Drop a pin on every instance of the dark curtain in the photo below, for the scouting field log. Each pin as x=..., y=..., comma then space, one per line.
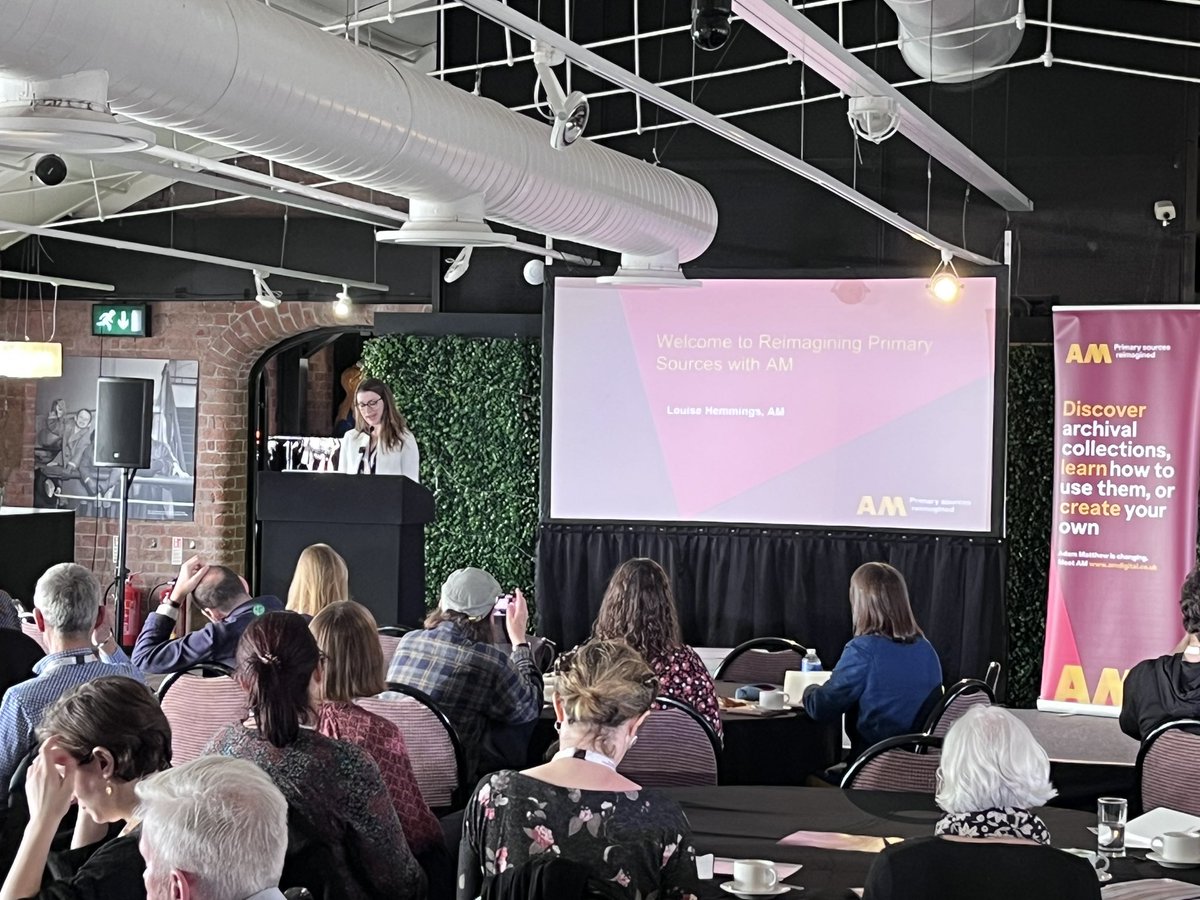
x=735, y=584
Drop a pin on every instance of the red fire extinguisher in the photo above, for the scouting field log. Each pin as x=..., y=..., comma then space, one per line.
x=132, y=603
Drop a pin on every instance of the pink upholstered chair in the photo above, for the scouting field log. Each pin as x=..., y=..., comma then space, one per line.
x=761, y=660
x=964, y=695
x=199, y=702
x=908, y=763
x=1166, y=767
x=675, y=748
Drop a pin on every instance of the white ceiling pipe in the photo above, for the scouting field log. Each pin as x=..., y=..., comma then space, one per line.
x=952, y=58
x=252, y=78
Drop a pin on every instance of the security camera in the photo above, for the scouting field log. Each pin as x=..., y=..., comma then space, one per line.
x=1164, y=211
x=50, y=170
x=710, y=23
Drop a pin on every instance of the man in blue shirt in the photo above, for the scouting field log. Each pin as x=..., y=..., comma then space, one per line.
x=225, y=601
x=80, y=647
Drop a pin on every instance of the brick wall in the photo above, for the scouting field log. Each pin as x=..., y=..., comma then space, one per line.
x=227, y=338
x=320, y=393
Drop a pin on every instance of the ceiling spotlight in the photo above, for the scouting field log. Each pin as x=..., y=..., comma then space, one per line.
x=263, y=294
x=710, y=23
x=570, y=111
x=458, y=265
x=342, y=305
x=873, y=119
x=944, y=283
x=50, y=170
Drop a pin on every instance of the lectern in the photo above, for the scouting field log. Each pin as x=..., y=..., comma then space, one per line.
x=376, y=522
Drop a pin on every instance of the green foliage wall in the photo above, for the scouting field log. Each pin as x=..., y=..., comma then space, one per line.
x=474, y=406
x=1030, y=495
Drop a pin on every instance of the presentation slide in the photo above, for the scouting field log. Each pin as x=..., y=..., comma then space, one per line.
x=862, y=404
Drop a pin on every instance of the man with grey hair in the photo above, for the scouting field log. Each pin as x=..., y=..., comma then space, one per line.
x=212, y=829
x=80, y=646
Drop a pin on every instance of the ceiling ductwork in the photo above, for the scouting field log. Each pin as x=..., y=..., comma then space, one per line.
x=243, y=75
x=977, y=44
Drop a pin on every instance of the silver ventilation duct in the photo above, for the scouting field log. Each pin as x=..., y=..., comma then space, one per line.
x=980, y=43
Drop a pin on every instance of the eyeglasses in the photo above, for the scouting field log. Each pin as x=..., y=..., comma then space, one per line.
x=369, y=404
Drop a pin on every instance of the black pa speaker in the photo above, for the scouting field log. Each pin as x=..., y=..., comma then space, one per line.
x=124, y=415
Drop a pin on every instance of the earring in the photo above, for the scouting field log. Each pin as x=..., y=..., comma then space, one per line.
x=633, y=740
x=558, y=727
x=108, y=790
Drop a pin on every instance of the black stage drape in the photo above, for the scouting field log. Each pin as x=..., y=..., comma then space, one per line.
x=733, y=584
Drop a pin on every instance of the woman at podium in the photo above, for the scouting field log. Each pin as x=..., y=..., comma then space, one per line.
x=380, y=443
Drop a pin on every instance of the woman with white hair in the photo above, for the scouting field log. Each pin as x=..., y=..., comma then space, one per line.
x=990, y=843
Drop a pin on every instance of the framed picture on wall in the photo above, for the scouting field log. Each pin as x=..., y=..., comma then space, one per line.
x=65, y=476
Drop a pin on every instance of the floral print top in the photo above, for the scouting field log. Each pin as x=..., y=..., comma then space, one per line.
x=683, y=677
x=637, y=844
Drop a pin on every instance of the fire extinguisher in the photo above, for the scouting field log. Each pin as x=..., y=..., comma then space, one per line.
x=132, y=603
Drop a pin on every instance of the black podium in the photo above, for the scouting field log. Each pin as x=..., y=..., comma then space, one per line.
x=376, y=522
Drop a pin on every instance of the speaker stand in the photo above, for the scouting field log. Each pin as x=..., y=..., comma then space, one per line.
x=122, y=573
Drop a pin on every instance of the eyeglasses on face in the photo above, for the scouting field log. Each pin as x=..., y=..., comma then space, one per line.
x=369, y=404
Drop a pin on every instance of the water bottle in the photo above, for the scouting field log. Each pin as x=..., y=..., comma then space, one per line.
x=812, y=662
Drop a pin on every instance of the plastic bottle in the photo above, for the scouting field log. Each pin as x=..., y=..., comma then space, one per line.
x=812, y=662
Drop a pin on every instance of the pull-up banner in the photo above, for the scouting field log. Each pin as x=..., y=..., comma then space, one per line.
x=1126, y=458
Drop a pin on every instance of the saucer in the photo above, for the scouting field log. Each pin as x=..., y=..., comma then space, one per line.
x=731, y=887
x=1154, y=857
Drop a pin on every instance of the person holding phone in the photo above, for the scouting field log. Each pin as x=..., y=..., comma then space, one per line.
x=380, y=443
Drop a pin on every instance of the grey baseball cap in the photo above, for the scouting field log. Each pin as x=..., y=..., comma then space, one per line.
x=470, y=591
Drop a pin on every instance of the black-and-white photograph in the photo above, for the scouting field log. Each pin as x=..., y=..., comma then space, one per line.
x=65, y=474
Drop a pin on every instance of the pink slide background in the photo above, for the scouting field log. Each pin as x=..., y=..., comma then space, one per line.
x=909, y=423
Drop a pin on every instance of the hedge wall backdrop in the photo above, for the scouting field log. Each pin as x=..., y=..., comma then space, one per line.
x=473, y=404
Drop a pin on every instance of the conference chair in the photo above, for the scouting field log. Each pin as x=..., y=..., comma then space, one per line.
x=992, y=678
x=764, y=659
x=389, y=638
x=967, y=693
x=434, y=747
x=1165, y=773
x=908, y=762
x=676, y=747
x=199, y=702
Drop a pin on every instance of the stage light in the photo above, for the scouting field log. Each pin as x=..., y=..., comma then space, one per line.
x=569, y=111
x=342, y=305
x=266, y=297
x=944, y=284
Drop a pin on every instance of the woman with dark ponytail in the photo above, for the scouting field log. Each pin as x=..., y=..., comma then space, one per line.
x=334, y=787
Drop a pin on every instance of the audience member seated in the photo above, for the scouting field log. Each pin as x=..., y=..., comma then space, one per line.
x=320, y=578
x=213, y=829
x=10, y=617
x=334, y=786
x=886, y=672
x=352, y=667
x=636, y=843
x=80, y=647
x=225, y=601
x=989, y=844
x=492, y=699
x=99, y=740
x=1161, y=690
x=639, y=608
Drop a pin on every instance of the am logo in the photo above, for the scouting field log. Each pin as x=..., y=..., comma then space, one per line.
x=886, y=506
x=1095, y=353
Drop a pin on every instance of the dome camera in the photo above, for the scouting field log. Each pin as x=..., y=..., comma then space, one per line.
x=50, y=170
x=710, y=23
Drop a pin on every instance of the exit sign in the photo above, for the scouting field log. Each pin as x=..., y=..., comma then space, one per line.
x=121, y=319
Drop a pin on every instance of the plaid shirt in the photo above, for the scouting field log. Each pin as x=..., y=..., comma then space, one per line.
x=475, y=685
x=25, y=703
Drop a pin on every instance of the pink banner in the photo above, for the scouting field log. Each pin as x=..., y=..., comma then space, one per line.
x=1127, y=454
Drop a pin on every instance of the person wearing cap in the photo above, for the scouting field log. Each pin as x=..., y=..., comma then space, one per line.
x=488, y=696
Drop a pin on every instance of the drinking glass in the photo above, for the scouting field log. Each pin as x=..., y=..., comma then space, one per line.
x=1110, y=822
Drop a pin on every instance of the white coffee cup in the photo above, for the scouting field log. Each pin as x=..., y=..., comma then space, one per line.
x=753, y=875
x=1177, y=846
x=773, y=699
x=795, y=683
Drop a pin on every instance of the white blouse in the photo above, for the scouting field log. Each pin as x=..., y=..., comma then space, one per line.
x=403, y=460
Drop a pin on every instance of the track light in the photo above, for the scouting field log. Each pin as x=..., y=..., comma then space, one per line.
x=710, y=23
x=263, y=294
x=458, y=265
x=570, y=111
x=342, y=305
x=944, y=283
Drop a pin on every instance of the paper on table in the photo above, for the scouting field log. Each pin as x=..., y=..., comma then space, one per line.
x=1151, y=889
x=724, y=866
x=1139, y=831
x=828, y=840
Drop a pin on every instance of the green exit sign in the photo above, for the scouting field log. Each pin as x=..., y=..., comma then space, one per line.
x=121, y=319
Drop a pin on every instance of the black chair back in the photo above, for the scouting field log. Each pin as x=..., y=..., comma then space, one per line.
x=908, y=762
x=763, y=659
x=961, y=696
x=1165, y=772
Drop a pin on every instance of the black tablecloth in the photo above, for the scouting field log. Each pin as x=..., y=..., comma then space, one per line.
x=747, y=822
x=782, y=749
